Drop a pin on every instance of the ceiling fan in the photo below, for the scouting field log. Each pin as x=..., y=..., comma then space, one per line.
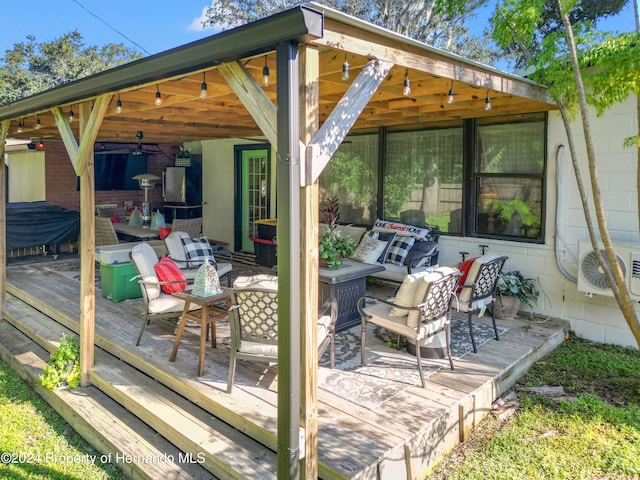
x=139, y=150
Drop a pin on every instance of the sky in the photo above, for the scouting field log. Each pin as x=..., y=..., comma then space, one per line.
x=149, y=26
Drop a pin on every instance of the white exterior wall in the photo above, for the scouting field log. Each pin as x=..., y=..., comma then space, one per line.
x=597, y=318
x=218, y=183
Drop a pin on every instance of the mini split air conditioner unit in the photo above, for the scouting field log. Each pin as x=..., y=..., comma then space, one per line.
x=591, y=278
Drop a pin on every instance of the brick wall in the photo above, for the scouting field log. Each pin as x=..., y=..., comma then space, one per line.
x=61, y=180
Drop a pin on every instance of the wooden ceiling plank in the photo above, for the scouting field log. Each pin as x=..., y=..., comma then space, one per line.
x=330, y=135
x=411, y=56
x=259, y=106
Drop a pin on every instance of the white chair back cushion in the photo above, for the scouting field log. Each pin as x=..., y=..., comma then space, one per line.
x=465, y=294
x=407, y=293
x=421, y=291
x=145, y=258
x=173, y=241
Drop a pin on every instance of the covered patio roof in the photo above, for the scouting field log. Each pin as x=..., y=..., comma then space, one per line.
x=179, y=73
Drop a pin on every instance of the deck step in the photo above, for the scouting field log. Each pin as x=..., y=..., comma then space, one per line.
x=104, y=423
x=218, y=447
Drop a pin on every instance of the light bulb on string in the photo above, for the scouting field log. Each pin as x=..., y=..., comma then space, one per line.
x=158, y=96
x=38, y=124
x=487, y=102
x=450, y=100
x=203, y=87
x=406, y=91
x=119, y=105
x=266, y=81
x=345, y=69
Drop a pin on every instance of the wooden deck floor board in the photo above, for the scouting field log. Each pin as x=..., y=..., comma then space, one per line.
x=354, y=441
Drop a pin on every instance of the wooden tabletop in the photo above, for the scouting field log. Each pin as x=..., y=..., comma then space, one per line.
x=138, y=232
x=200, y=300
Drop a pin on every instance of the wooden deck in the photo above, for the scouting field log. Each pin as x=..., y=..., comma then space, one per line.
x=140, y=404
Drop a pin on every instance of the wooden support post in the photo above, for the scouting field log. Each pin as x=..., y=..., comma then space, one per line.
x=87, y=257
x=309, y=118
x=4, y=131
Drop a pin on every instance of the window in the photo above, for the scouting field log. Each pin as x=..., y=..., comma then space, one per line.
x=352, y=176
x=475, y=177
x=423, y=176
x=509, y=177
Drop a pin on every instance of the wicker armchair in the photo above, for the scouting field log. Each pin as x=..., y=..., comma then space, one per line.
x=193, y=226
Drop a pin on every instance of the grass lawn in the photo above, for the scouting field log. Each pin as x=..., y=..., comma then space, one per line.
x=36, y=443
x=588, y=430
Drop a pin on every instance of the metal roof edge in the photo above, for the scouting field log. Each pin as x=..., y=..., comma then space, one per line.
x=297, y=24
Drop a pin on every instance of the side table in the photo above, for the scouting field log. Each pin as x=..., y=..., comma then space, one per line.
x=208, y=314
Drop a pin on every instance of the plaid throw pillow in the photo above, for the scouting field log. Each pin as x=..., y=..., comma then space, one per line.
x=400, y=249
x=197, y=251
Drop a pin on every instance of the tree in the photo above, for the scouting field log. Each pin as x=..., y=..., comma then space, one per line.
x=32, y=67
x=593, y=59
x=441, y=23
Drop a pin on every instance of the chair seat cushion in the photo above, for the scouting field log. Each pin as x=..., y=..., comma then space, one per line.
x=222, y=269
x=257, y=348
x=167, y=271
x=264, y=281
x=166, y=304
x=380, y=316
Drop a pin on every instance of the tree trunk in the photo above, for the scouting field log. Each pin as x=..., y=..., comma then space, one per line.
x=614, y=276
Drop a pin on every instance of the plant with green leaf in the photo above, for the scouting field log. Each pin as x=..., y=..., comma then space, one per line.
x=514, y=284
x=571, y=59
x=63, y=369
x=333, y=246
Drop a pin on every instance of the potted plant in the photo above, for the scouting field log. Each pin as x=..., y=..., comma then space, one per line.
x=512, y=290
x=183, y=158
x=333, y=246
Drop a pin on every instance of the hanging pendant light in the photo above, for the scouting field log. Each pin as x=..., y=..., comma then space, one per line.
x=406, y=91
x=450, y=100
x=203, y=87
x=487, y=102
x=345, y=69
x=38, y=124
x=158, y=96
x=265, y=74
x=20, y=126
x=119, y=105
x=71, y=115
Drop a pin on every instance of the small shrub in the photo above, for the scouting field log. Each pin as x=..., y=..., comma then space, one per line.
x=63, y=369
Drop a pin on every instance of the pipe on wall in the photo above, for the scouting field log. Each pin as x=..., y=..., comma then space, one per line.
x=559, y=208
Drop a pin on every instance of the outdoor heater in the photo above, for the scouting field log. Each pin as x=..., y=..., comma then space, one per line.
x=147, y=181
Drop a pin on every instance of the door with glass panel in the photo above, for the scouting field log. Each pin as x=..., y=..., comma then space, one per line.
x=253, y=192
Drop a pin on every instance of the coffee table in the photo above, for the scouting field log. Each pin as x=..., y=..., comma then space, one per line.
x=208, y=314
x=346, y=284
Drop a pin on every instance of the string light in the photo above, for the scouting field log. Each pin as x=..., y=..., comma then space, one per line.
x=345, y=69
x=406, y=91
x=119, y=105
x=20, y=125
x=265, y=74
x=450, y=100
x=158, y=96
x=38, y=124
x=487, y=102
x=71, y=115
x=203, y=87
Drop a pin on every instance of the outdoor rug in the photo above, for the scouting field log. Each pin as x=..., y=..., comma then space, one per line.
x=388, y=371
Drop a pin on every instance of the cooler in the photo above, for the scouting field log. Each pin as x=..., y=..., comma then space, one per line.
x=116, y=283
x=265, y=244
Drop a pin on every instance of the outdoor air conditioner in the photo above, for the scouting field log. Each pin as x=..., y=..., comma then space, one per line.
x=591, y=278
